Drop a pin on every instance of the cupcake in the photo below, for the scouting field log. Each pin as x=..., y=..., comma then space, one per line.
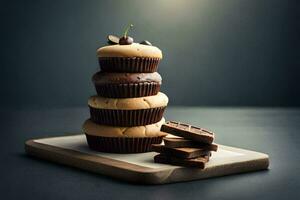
x=126, y=56
x=126, y=85
x=119, y=139
x=127, y=111
x=132, y=58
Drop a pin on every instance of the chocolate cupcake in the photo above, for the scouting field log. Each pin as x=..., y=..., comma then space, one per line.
x=127, y=111
x=126, y=85
x=133, y=58
x=118, y=139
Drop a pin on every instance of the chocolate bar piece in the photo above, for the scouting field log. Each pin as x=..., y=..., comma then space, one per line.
x=180, y=152
x=188, y=131
x=181, y=142
x=195, y=162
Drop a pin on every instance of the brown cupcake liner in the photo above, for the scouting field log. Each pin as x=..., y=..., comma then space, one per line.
x=125, y=64
x=130, y=90
x=126, y=117
x=122, y=144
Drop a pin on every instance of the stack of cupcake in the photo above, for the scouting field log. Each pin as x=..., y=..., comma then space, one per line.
x=127, y=113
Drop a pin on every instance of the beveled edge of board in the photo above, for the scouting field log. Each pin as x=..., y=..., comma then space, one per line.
x=97, y=164
x=140, y=174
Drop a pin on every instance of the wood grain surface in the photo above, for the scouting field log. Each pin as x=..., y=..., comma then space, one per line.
x=140, y=168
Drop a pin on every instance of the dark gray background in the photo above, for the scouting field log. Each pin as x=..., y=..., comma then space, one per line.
x=232, y=52
x=226, y=52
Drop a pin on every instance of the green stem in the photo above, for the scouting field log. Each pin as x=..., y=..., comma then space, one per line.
x=127, y=29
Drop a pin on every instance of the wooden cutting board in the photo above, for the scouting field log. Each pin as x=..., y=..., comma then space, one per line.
x=73, y=151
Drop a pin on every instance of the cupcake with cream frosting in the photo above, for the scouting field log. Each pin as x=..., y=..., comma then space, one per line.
x=128, y=111
x=123, y=55
x=119, y=139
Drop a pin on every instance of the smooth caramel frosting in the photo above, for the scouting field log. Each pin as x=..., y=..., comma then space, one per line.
x=151, y=130
x=155, y=101
x=132, y=50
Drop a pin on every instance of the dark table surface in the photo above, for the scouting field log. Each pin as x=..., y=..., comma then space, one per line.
x=274, y=131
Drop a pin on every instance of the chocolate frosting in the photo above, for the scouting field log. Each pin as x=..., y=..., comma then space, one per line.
x=119, y=78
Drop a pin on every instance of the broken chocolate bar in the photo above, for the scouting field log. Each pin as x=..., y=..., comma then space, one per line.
x=188, y=131
x=177, y=142
x=195, y=162
x=180, y=152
